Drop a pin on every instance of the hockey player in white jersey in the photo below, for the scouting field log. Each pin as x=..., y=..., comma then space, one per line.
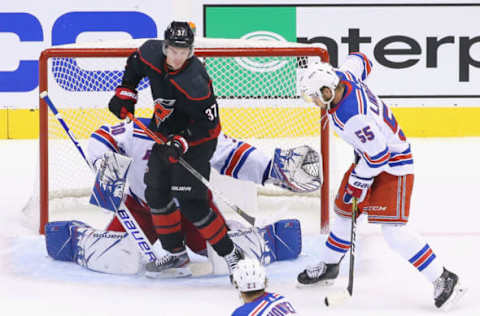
x=232, y=157
x=251, y=280
x=381, y=179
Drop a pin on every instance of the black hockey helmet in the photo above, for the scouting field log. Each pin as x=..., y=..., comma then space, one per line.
x=179, y=34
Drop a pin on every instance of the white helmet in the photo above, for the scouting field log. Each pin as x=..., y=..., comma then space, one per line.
x=249, y=275
x=314, y=78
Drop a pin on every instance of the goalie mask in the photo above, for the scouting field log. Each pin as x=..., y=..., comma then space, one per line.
x=249, y=276
x=179, y=34
x=316, y=77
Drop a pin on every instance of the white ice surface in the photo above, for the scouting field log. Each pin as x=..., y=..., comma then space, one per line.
x=445, y=210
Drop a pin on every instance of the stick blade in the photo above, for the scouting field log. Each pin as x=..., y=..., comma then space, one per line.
x=337, y=298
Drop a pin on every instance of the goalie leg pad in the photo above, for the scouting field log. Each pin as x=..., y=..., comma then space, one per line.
x=281, y=240
x=284, y=238
x=107, y=252
x=59, y=239
x=96, y=250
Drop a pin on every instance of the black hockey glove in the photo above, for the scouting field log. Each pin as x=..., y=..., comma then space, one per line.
x=172, y=150
x=123, y=102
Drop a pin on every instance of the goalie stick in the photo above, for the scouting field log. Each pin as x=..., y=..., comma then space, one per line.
x=341, y=296
x=125, y=216
x=46, y=98
x=196, y=174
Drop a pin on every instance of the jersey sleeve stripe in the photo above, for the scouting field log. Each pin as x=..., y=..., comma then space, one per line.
x=400, y=159
x=349, y=76
x=105, y=128
x=367, y=64
x=401, y=163
x=106, y=139
x=227, y=161
x=237, y=155
x=240, y=164
x=378, y=160
x=139, y=133
x=364, y=98
x=337, y=121
x=362, y=109
x=142, y=136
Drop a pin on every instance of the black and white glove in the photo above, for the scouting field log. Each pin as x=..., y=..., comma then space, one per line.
x=356, y=187
x=123, y=102
x=170, y=152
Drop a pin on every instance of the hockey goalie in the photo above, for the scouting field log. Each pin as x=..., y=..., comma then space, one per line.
x=119, y=155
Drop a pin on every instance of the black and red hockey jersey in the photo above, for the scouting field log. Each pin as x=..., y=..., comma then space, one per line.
x=184, y=101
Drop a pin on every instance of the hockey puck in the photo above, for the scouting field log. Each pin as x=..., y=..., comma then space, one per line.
x=326, y=301
x=336, y=298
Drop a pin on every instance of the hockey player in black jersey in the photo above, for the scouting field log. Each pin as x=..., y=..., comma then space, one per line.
x=186, y=118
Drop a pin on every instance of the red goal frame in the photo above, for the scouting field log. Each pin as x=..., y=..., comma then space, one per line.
x=200, y=52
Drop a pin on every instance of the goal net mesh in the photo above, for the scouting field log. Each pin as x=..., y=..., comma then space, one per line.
x=258, y=101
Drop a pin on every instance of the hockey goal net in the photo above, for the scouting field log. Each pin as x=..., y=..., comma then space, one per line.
x=255, y=83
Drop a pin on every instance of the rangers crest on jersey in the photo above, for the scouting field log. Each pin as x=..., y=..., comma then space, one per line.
x=163, y=108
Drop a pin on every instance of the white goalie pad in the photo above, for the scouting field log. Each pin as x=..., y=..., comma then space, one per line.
x=107, y=252
x=107, y=193
x=297, y=169
x=250, y=241
x=275, y=242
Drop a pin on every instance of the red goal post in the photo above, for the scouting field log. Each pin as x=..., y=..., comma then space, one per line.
x=296, y=52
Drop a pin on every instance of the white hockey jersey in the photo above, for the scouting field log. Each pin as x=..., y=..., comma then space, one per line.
x=363, y=120
x=232, y=157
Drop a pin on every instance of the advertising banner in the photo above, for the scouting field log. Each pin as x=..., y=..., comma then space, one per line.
x=256, y=23
x=423, y=54
x=24, y=33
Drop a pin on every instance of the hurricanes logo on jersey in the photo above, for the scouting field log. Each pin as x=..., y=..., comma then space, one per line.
x=163, y=109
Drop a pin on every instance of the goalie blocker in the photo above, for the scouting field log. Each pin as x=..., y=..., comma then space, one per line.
x=115, y=253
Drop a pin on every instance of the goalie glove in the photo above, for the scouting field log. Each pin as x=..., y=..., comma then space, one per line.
x=356, y=187
x=297, y=169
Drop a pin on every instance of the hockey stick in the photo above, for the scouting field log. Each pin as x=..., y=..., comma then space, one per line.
x=45, y=97
x=195, y=173
x=123, y=213
x=340, y=297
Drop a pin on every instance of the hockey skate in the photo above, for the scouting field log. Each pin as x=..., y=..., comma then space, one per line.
x=320, y=274
x=232, y=260
x=447, y=290
x=171, y=265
